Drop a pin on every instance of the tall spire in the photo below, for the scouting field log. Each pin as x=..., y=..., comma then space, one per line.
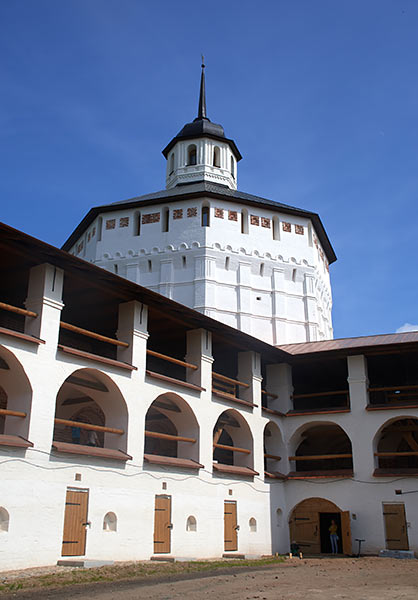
x=202, y=97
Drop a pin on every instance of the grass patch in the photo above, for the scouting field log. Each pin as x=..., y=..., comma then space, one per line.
x=125, y=572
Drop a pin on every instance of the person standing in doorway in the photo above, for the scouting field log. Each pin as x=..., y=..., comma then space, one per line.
x=333, y=536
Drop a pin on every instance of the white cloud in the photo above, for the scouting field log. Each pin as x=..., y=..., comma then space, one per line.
x=407, y=327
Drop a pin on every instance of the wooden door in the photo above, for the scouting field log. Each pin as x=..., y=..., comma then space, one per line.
x=230, y=526
x=304, y=529
x=346, y=532
x=395, y=527
x=162, y=525
x=75, y=519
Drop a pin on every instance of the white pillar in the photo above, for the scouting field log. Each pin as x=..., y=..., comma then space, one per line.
x=249, y=371
x=279, y=382
x=362, y=443
x=132, y=329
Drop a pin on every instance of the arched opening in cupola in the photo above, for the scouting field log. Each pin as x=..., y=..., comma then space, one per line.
x=232, y=167
x=216, y=157
x=171, y=168
x=191, y=155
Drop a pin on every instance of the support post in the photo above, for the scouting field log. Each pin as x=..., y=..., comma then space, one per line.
x=132, y=329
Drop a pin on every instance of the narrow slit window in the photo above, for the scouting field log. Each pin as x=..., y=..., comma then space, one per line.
x=262, y=269
x=149, y=266
x=227, y=263
x=216, y=157
x=184, y=262
x=171, y=170
x=276, y=228
x=205, y=216
x=232, y=167
x=244, y=221
x=99, y=229
x=166, y=220
x=192, y=155
x=294, y=275
x=115, y=268
x=137, y=224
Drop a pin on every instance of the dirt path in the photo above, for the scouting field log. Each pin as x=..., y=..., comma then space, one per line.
x=311, y=579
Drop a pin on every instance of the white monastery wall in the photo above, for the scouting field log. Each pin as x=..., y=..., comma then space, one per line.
x=260, y=271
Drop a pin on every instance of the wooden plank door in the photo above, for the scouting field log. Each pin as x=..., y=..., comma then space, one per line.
x=395, y=527
x=230, y=526
x=346, y=532
x=75, y=519
x=304, y=529
x=162, y=525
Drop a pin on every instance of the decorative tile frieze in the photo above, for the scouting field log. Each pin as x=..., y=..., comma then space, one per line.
x=219, y=213
x=111, y=224
x=88, y=236
x=192, y=212
x=286, y=226
x=177, y=213
x=124, y=222
x=80, y=247
x=93, y=233
x=299, y=229
x=232, y=215
x=151, y=218
x=254, y=220
x=265, y=222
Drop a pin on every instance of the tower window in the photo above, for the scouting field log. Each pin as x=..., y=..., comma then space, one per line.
x=137, y=223
x=232, y=167
x=191, y=155
x=149, y=266
x=184, y=262
x=216, y=157
x=99, y=229
x=262, y=269
x=171, y=164
x=166, y=220
x=205, y=216
x=244, y=220
x=227, y=263
x=276, y=228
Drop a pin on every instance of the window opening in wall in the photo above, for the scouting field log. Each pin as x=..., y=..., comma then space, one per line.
x=294, y=275
x=191, y=155
x=227, y=263
x=324, y=447
x=171, y=164
x=320, y=385
x=216, y=157
x=110, y=522
x=262, y=269
x=137, y=223
x=232, y=167
x=149, y=266
x=244, y=220
x=310, y=242
x=191, y=524
x=253, y=525
x=276, y=228
x=115, y=268
x=4, y=520
x=184, y=262
x=99, y=229
x=205, y=216
x=166, y=220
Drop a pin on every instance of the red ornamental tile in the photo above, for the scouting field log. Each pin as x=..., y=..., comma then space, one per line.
x=178, y=213
x=219, y=212
x=265, y=222
x=93, y=233
x=124, y=222
x=299, y=229
x=232, y=215
x=151, y=218
x=254, y=220
x=111, y=224
x=286, y=226
x=192, y=212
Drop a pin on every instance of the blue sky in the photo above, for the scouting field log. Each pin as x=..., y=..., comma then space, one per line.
x=321, y=97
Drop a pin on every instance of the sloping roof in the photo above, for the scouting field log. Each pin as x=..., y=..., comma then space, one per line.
x=211, y=190
x=348, y=345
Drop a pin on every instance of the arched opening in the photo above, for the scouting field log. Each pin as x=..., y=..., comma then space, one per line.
x=15, y=400
x=253, y=525
x=91, y=416
x=99, y=229
x=216, y=157
x=310, y=526
x=165, y=220
x=4, y=520
x=276, y=228
x=171, y=168
x=232, y=444
x=191, y=155
x=244, y=221
x=232, y=167
x=110, y=522
x=205, y=215
x=191, y=524
x=171, y=431
x=137, y=223
x=273, y=451
x=322, y=448
x=397, y=447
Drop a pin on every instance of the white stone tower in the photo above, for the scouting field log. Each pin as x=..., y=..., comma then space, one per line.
x=253, y=263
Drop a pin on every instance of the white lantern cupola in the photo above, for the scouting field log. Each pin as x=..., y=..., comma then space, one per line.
x=201, y=152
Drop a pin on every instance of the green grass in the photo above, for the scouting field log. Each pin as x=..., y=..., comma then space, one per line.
x=126, y=572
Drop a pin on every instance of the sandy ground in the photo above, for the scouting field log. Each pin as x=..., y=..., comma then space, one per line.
x=308, y=579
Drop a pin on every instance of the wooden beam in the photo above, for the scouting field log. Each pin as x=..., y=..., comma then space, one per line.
x=319, y=394
x=18, y=311
x=266, y=455
x=411, y=441
x=12, y=413
x=382, y=454
x=229, y=380
x=274, y=396
x=393, y=388
x=176, y=361
x=92, y=334
x=321, y=457
x=232, y=448
x=167, y=436
x=88, y=426
x=217, y=435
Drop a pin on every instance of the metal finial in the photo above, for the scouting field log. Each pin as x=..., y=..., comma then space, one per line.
x=201, y=114
x=203, y=61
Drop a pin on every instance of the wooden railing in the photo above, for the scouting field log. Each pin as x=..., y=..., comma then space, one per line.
x=93, y=334
x=329, y=402
x=393, y=394
x=169, y=436
x=18, y=311
x=12, y=413
x=232, y=448
x=321, y=457
x=395, y=454
x=226, y=386
x=88, y=426
x=170, y=359
x=273, y=456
